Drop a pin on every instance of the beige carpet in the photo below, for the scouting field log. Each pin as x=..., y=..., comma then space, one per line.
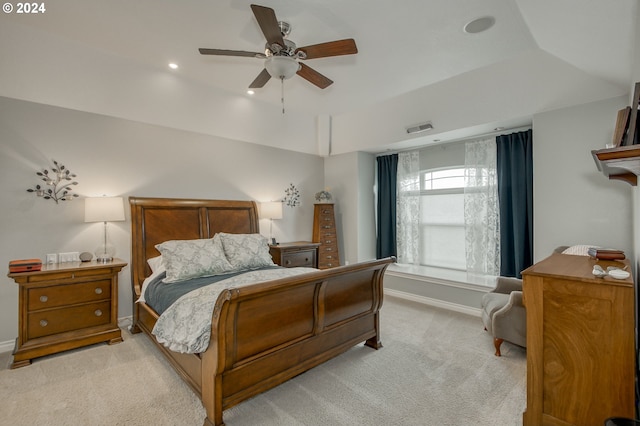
x=436, y=368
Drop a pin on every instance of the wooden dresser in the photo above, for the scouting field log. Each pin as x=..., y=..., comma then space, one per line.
x=66, y=306
x=580, y=343
x=324, y=232
x=299, y=253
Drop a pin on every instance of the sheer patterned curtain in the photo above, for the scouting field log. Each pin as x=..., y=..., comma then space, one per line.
x=481, y=208
x=408, y=211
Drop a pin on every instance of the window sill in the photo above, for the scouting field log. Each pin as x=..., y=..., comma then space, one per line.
x=443, y=276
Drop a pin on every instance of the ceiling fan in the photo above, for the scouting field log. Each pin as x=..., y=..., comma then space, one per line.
x=281, y=55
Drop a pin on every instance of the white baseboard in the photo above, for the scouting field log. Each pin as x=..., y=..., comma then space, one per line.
x=7, y=346
x=434, y=302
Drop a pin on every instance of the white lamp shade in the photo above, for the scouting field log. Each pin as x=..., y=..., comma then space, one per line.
x=271, y=210
x=103, y=209
x=281, y=67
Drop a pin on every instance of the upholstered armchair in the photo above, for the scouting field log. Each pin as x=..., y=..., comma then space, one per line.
x=503, y=313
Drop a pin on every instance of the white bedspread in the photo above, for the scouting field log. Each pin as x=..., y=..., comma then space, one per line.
x=186, y=325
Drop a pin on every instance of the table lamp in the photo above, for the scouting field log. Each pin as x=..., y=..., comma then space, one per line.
x=271, y=210
x=104, y=209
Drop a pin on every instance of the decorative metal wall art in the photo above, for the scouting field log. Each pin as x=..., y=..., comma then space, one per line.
x=292, y=196
x=58, y=182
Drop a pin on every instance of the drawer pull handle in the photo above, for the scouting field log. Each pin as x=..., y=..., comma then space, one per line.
x=327, y=226
x=98, y=290
x=329, y=264
x=98, y=312
x=329, y=257
x=325, y=211
x=327, y=219
x=328, y=241
x=306, y=259
x=288, y=262
x=328, y=249
x=44, y=323
x=43, y=299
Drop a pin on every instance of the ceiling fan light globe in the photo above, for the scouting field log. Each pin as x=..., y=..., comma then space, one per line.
x=281, y=67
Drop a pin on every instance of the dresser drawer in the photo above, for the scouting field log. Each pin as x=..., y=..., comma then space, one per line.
x=68, y=294
x=328, y=261
x=54, y=321
x=301, y=258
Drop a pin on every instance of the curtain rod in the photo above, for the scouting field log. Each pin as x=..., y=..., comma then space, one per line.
x=459, y=140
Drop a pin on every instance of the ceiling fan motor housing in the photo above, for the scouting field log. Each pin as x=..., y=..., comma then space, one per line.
x=289, y=49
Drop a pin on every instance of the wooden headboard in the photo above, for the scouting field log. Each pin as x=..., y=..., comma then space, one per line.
x=155, y=220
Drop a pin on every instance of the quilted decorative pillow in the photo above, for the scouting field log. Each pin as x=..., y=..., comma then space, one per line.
x=185, y=259
x=246, y=251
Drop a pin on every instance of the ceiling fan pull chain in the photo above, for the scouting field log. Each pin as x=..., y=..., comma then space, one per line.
x=282, y=93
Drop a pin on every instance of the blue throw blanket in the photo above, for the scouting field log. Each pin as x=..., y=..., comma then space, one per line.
x=160, y=295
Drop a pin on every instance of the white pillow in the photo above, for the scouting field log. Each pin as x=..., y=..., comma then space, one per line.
x=578, y=250
x=246, y=251
x=155, y=263
x=185, y=259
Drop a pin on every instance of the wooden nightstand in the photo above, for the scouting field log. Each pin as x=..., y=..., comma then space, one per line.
x=66, y=306
x=299, y=253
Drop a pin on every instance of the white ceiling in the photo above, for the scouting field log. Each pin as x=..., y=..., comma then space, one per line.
x=111, y=56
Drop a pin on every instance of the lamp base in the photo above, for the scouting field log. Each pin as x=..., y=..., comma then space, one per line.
x=103, y=258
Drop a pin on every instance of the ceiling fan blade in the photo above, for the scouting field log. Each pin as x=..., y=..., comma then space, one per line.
x=313, y=76
x=260, y=80
x=331, y=48
x=266, y=18
x=223, y=52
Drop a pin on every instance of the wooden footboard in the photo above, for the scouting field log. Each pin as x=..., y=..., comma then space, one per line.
x=265, y=334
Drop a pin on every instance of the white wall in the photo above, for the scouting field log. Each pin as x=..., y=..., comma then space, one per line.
x=636, y=211
x=119, y=157
x=350, y=179
x=573, y=202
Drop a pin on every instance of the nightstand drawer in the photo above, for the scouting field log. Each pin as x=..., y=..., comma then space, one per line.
x=45, y=323
x=302, y=258
x=70, y=294
x=71, y=274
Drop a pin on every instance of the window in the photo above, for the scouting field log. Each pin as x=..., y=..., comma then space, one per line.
x=442, y=218
x=441, y=205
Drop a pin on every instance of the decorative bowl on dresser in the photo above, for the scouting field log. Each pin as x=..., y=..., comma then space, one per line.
x=66, y=306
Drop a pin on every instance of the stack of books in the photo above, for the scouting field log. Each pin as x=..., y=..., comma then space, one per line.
x=606, y=254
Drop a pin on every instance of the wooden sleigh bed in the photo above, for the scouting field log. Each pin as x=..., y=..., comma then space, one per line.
x=263, y=334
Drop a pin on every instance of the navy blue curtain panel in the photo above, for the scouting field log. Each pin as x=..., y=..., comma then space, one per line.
x=515, y=192
x=386, y=226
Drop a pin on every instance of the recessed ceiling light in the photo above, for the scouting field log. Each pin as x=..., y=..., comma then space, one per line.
x=173, y=66
x=250, y=92
x=479, y=25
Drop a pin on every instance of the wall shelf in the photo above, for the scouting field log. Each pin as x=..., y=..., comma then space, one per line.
x=621, y=163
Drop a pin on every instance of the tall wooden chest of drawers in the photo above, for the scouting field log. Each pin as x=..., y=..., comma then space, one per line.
x=324, y=232
x=580, y=343
x=66, y=306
